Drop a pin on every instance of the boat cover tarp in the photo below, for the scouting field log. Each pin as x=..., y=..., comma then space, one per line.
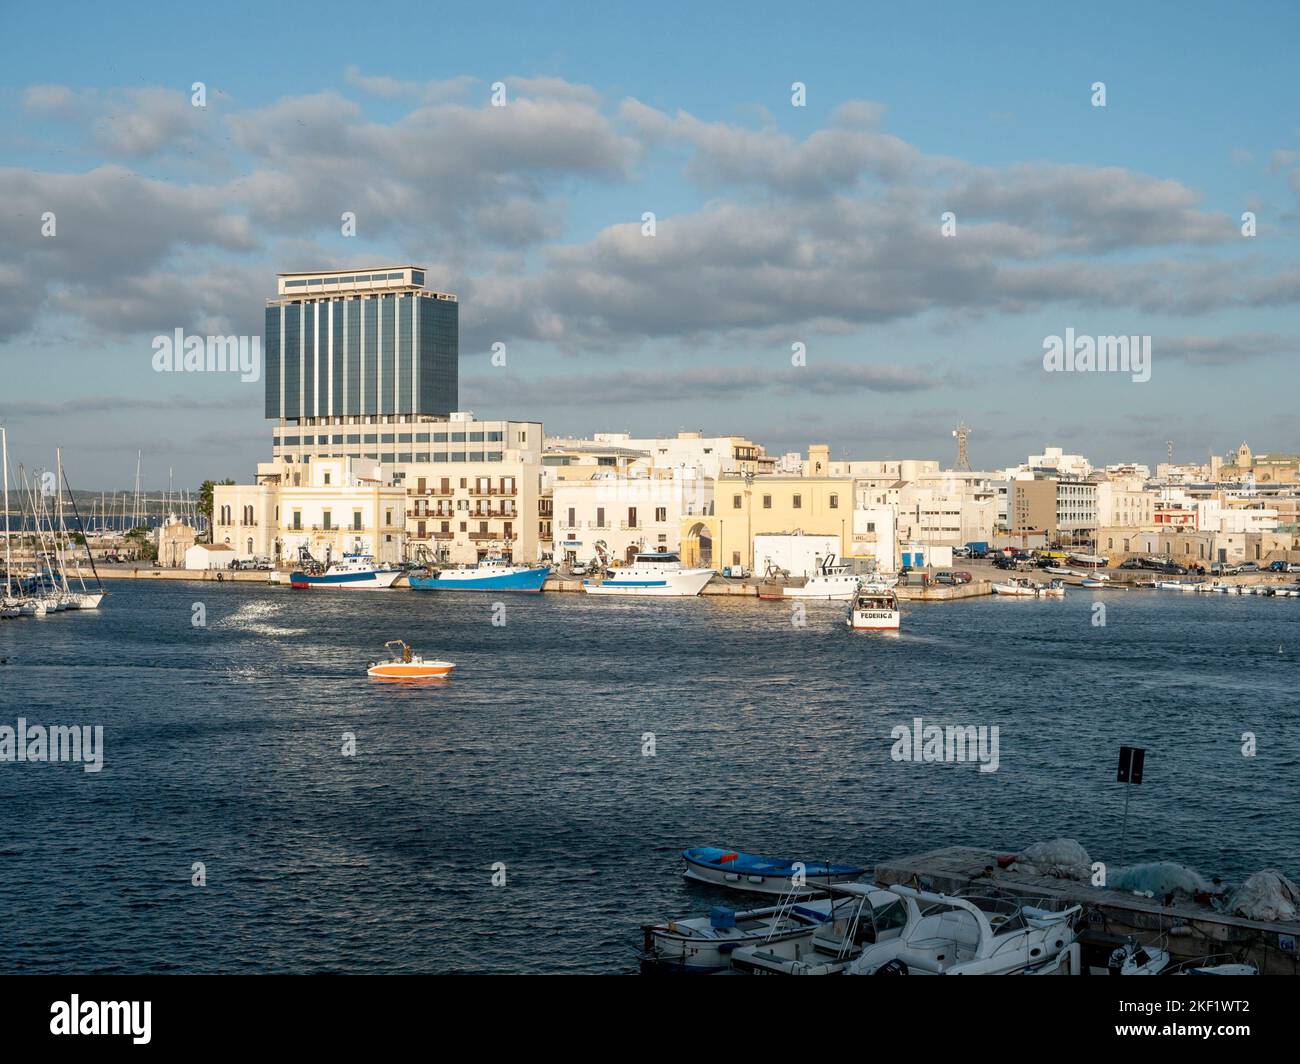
x=1159, y=878
x=1267, y=895
x=752, y=864
x=1061, y=858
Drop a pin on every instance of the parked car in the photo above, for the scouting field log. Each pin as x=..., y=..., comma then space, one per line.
x=961, y=552
x=1285, y=567
x=1173, y=569
x=1248, y=567
x=1222, y=569
x=578, y=569
x=946, y=578
x=1133, y=563
x=1005, y=562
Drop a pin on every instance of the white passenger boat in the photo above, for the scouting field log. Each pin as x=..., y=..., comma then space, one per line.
x=874, y=608
x=830, y=581
x=706, y=944
x=951, y=935
x=655, y=574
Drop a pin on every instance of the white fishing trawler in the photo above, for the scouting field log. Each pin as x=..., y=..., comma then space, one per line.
x=657, y=574
x=874, y=608
x=830, y=581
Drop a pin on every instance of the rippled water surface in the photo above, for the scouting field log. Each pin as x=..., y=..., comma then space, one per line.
x=224, y=745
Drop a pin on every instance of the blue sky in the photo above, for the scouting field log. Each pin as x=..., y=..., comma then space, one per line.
x=776, y=224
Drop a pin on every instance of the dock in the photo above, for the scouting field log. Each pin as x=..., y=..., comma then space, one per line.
x=1189, y=930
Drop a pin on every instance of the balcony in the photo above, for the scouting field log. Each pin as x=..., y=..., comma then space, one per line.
x=628, y=526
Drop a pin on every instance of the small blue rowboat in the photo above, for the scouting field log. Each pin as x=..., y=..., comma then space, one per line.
x=736, y=870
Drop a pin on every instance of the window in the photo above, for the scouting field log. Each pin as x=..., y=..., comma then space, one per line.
x=798, y=502
x=661, y=514
x=835, y=502
x=297, y=520
x=767, y=502
x=571, y=521
x=600, y=517
x=327, y=476
x=356, y=520
x=735, y=502
x=327, y=520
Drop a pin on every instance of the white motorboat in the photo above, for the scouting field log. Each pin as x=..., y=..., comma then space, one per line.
x=830, y=581
x=863, y=915
x=655, y=574
x=706, y=944
x=1092, y=561
x=875, y=608
x=1053, y=589
x=954, y=935
x=1018, y=587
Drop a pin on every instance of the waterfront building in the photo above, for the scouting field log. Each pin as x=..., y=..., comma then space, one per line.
x=618, y=517
x=330, y=507
x=175, y=537
x=746, y=506
x=1057, y=507
x=1125, y=503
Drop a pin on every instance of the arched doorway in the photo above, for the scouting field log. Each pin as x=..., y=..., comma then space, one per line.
x=697, y=546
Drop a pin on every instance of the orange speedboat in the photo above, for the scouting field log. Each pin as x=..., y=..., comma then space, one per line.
x=405, y=665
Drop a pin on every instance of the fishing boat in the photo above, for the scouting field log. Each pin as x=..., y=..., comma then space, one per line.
x=830, y=581
x=968, y=935
x=354, y=571
x=862, y=915
x=706, y=944
x=1101, y=582
x=737, y=870
x=1018, y=587
x=657, y=574
x=490, y=574
x=1052, y=589
x=403, y=664
x=875, y=608
x=1091, y=561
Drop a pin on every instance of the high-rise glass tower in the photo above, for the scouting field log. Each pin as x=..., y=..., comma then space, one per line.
x=360, y=347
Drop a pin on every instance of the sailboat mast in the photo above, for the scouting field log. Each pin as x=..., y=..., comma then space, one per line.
x=4, y=457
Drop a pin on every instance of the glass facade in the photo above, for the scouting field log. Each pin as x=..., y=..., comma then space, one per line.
x=393, y=353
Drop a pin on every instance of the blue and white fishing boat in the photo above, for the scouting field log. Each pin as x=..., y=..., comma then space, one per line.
x=491, y=574
x=656, y=574
x=354, y=571
x=763, y=875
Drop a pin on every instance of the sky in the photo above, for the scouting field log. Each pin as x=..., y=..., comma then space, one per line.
x=775, y=224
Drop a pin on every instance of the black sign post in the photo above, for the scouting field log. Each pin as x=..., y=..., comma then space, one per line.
x=1131, y=761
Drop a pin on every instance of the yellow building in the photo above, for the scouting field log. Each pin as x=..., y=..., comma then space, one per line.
x=748, y=506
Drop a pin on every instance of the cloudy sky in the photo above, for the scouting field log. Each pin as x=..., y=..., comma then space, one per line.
x=775, y=224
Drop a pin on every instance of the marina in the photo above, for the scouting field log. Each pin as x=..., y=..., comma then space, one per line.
x=550, y=744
